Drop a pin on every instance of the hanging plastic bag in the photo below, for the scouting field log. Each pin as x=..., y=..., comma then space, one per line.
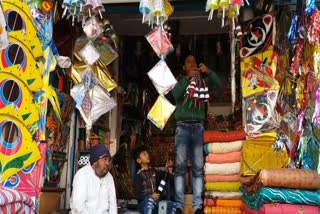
x=160, y=42
x=162, y=78
x=92, y=29
x=161, y=112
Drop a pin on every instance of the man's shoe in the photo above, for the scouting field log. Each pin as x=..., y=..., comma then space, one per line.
x=199, y=211
x=179, y=211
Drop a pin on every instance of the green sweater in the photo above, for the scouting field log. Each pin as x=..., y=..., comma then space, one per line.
x=187, y=111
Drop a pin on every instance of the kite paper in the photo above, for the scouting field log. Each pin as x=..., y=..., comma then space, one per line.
x=162, y=78
x=100, y=71
x=159, y=41
x=91, y=99
x=17, y=148
x=24, y=47
x=258, y=37
x=161, y=112
x=258, y=72
x=29, y=180
x=89, y=53
x=20, y=102
x=260, y=112
x=107, y=54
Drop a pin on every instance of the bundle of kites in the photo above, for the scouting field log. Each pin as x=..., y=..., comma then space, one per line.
x=232, y=7
x=155, y=13
x=93, y=82
x=82, y=9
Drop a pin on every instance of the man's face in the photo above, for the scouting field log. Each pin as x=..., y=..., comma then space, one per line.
x=190, y=64
x=101, y=166
x=144, y=158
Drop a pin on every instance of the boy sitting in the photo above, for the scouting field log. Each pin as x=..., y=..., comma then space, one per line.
x=147, y=181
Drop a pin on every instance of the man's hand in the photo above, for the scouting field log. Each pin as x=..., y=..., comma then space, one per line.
x=155, y=196
x=192, y=73
x=203, y=68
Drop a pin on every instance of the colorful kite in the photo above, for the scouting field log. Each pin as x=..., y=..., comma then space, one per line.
x=258, y=36
x=17, y=148
x=257, y=73
x=17, y=100
x=24, y=47
x=29, y=180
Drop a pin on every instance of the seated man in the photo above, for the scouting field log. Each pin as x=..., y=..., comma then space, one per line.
x=93, y=185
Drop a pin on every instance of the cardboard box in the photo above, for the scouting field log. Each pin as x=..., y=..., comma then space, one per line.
x=49, y=202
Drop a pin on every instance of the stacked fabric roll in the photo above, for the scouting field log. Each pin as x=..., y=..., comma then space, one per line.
x=222, y=171
x=273, y=191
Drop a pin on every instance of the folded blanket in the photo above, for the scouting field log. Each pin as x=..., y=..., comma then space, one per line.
x=287, y=178
x=290, y=196
x=276, y=208
x=229, y=157
x=215, y=178
x=234, y=146
x=223, y=195
x=222, y=186
x=222, y=169
x=217, y=136
x=223, y=202
x=258, y=154
x=222, y=210
x=16, y=207
x=12, y=200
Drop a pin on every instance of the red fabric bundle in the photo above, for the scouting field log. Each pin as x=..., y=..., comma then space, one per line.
x=217, y=136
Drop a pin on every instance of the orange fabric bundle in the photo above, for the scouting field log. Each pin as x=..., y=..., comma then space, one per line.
x=215, y=178
x=285, y=178
x=222, y=210
x=223, y=202
x=229, y=157
x=216, y=136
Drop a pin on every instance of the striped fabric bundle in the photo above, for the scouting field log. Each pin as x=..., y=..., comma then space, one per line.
x=223, y=202
x=12, y=201
x=222, y=195
x=215, y=178
x=222, y=171
x=218, y=136
x=276, y=208
x=290, y=196
x=222, y=210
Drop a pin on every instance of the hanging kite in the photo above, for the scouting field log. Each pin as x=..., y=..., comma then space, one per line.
x=17, y=148
x=17, y=100
x=24, y=47
x=29, y=179
x=258, y=36
x=258, y=72
x=91, y=98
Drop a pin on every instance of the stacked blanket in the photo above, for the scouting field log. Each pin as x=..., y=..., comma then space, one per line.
x=276, y=190
x=12, y=201
x=222, y=171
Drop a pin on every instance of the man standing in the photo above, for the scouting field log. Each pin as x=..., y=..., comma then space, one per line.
x=190, y=118
x=93, y=186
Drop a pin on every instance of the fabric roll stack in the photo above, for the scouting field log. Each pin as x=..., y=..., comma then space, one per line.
x=273, y=191
x=222, y=171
